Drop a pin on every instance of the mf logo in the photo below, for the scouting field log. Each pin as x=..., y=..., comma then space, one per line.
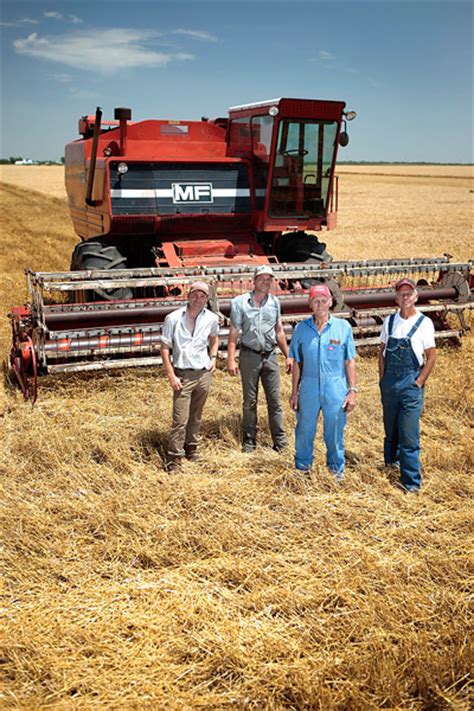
x=192, y=192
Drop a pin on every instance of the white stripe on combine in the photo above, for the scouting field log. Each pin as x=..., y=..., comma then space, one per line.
x=167, y=193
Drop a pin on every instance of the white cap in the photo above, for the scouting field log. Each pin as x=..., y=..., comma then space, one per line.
x=263, y=269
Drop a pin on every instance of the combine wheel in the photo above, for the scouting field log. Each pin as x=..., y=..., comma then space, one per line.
x=457, y=281
x=23, y=362
x=302, y=247
x=96, y=255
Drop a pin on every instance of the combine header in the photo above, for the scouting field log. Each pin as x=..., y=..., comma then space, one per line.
x=159, y=203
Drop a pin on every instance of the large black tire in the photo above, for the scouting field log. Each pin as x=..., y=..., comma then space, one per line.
x=302, y=247
x=95, y=255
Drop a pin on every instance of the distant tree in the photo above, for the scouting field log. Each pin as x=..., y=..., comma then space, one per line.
x=61, y=160
x=13, y=159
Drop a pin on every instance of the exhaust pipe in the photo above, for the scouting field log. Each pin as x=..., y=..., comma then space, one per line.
x=123, y=115
x=93, y=158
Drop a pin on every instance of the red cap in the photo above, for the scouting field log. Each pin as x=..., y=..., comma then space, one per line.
x=405, y=282
x=319, y=290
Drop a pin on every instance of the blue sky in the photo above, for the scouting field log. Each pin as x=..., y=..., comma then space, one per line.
x=405, y=67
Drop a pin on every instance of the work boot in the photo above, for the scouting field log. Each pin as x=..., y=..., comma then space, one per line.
x=248, y=445
x=192, y=452
x=173, y=464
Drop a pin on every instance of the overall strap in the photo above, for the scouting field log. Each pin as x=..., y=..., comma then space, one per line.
x=415, y=327
x=390, y=324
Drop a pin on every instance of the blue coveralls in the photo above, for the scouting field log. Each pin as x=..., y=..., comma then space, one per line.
x=402, y=402
x=323, y=386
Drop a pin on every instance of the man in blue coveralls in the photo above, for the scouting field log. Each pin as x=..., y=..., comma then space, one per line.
x=323, y=378
x=406, y=358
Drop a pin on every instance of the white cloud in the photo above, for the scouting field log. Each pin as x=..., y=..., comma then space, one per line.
x=326, y=56
x=105, y=51
x=196, y=34
x=62, y=78
x=73, y=19
x=18, y=23
x=53, y=15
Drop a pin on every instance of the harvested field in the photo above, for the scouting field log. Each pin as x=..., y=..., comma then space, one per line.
x=233, y=584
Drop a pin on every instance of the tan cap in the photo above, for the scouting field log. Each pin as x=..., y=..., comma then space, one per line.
x=199, y=286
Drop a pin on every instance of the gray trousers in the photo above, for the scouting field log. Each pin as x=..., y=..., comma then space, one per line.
x=188, y=405
x=255, y=367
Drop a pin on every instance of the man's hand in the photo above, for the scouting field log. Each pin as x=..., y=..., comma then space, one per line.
x=294, y=401
x=176, y=383
x=350, y=402
x=213, y=365
x=289, y=364
x=232, y=366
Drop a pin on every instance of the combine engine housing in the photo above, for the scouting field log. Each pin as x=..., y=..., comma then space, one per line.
x=172, y=193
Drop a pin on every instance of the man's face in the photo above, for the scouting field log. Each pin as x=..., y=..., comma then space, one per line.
x=406, y=297
x=320, y=305
x=198, y=298
x=263, y=283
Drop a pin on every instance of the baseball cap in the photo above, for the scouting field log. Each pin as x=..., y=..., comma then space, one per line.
x=199, y=286
x=405, y=282
x=319, y=290
x=263, y=269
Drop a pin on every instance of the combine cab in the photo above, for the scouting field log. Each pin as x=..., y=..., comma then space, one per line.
x=157, y=203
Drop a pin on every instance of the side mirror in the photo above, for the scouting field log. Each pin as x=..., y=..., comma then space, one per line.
x=343, y=139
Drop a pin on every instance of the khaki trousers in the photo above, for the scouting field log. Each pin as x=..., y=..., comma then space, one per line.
x=188, y=404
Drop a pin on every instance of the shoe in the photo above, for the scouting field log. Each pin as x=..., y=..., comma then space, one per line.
x=279, y=448
x=248, y=447
x=174, y=464
x=303, y=471
x=192, y=453
x=407, y=490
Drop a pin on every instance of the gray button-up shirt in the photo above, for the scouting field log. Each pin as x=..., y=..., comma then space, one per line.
x=256, y=324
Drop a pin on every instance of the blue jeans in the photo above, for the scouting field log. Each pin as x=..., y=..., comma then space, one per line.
x=402, y=402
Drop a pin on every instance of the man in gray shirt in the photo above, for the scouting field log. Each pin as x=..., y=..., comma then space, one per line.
x=256, y=316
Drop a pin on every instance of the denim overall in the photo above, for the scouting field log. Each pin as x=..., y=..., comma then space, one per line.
x=402, y=402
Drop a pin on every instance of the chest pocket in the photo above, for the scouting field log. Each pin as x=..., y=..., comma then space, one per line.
x=269, y=318
x=334, y=353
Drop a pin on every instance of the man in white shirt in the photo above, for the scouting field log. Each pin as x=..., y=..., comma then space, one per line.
x=191, y=333
x=406, y=358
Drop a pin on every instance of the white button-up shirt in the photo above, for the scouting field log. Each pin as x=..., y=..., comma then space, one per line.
x=190, y=350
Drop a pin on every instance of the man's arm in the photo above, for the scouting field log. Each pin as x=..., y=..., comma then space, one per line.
x=295, y=381
x=381, y=361
x=430, y=354
x=168, y=366
x=213, y=347
x=232, y=366
x=283, y=345
x=350, y=401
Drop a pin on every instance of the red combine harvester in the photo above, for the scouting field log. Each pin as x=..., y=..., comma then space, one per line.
x=158, y=203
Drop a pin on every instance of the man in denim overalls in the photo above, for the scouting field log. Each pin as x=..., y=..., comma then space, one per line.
x=406, y=358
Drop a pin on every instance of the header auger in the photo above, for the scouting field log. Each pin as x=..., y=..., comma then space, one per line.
x=157, y=203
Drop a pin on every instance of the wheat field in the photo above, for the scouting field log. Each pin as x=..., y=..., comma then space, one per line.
x=234, y=584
